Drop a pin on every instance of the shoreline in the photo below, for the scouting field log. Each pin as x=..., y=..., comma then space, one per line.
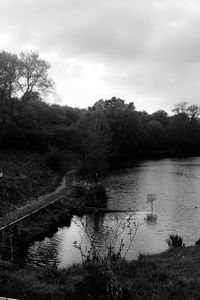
x=36, y=227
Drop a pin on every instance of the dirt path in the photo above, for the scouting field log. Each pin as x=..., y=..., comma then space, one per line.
x=35, y=205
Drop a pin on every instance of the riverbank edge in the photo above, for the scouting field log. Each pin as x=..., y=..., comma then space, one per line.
x=173, y=274
x=55, y=210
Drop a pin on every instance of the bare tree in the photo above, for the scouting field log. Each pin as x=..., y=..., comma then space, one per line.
x=191, y=111
x=34, y=75
x=180, y=107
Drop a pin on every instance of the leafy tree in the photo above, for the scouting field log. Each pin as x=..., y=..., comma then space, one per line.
x=123, y=122
x=95, y=144
x=162, y=117
x=156, y=134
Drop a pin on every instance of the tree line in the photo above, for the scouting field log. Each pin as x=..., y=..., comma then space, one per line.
x=107, y=134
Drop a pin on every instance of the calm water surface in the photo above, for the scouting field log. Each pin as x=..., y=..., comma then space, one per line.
x=177, y=185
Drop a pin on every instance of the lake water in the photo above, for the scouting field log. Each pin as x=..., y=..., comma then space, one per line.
x=176, y=182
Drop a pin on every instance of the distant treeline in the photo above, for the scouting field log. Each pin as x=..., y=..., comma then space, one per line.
x=110, y=133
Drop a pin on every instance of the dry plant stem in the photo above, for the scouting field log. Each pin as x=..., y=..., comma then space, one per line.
x=133, y=237
x=113, y=242
x=116, y=234
x=80, y=248
x=116, y=231
x=91, y=240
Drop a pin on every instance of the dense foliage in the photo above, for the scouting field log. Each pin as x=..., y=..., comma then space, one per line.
x=108, y=134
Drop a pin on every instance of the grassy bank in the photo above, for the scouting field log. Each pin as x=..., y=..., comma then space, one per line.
x=26, y=176
x=171, y=275
x=43, y=223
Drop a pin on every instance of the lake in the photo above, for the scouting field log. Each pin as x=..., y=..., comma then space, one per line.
x=176, y=183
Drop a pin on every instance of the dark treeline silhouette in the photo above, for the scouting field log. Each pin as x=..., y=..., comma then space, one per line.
x=108, y=134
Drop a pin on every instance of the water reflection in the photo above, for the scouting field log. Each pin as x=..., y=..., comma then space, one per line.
x=43, y=253
x=176, y=209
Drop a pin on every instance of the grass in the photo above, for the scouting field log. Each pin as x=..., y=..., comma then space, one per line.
x=171, y=275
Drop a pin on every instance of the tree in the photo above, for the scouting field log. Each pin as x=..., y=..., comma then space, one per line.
x=123, y=121
x=180, y=108
x=95, y=144
x=34, y=76
x=23, y=78
x=9, y=75
x=191, y=111
x=162, y=117
x=113, y=105
x=156, y=134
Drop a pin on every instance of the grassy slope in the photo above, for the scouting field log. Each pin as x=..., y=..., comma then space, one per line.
x=26, y=176
x=171, y=275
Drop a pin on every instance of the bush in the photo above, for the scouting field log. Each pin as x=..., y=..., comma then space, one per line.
x=197, y=243
x=175, y=241
x=101, y=270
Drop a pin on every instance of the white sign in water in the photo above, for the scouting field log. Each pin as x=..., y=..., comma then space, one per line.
x=151, y=197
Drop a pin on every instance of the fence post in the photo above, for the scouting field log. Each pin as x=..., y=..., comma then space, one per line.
x=11, y=244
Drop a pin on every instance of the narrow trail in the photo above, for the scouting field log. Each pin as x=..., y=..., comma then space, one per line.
x=36, y=205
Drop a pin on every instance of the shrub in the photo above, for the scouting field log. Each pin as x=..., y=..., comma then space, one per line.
x=175, y=240
x=101, y=270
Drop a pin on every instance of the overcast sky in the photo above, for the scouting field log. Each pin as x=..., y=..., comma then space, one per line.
x=145, y=51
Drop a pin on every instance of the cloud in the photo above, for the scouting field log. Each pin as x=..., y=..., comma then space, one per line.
x=146, y=50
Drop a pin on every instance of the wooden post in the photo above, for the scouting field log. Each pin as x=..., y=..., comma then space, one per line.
x=11, y=244
x=3, y=238
x=2, y=243
x=18, y=230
